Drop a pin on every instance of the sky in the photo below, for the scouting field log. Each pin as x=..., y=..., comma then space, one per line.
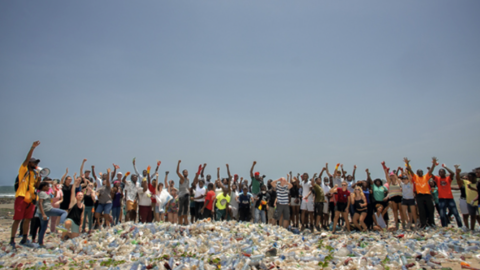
x=290, y=84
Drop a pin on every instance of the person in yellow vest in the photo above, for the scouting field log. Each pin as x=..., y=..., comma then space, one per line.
x=24, y=205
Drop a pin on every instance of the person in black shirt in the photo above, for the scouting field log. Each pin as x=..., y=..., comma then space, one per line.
x=244, y=200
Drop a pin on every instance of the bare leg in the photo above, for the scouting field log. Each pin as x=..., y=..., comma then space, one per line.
x=347, y=222
x=335, y=221
x=356, y=216
x=362, y=223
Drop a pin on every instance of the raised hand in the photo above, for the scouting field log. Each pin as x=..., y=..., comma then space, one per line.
x=407, y=161
x=354, y=166
x=158, y=163
x=167, y=172
x=109, y=170
x=35, y=144
x=434, y=160
x=179, y=161
x=254, y=163
x=66, y=171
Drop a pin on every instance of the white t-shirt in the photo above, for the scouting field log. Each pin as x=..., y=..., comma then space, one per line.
x=350, y=188
x=233, y=199
x=218, y=191
x=326, y=189
x=131, y=190
x=337, y=181
x=143, y=198
x=199, y=192
x=306, y=189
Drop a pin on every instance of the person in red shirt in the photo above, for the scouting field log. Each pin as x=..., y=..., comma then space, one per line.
x=209, y=199
x=342, y=204
x=445, y=196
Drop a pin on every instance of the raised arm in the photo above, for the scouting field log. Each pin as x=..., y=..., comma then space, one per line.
x=195, y=180
x=30, y=153
x=124, y=179
x=321, y=173
x=81, y=167
x=407, y=164
x=156, y=169
x=385, y=170
x=369, y=179
x=63, y=177
x=203, y=169
x=251, y=169
x=73, y=199
x=336, y=169
x=326, y=169
x=457, y=176
x=353, y=173
x=107, y=181
x=218, y=173
x=452, y=174
x=344, y=173
x=228, y=172
x=93, y=172
x=434, y=163
x=135, y=168
x=166, y=181
x=182, y=179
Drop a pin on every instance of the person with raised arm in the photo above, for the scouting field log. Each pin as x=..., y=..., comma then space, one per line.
x=408, y=199
x=471, y=193
x=342, y=205
x=307, y=205
x=144, y=202
x=207, y=208
x=319, y=201
x=172, y=205
x=337, y=176
x=104, y=200
x=257, y=180
x=395, y=195
x=282, y=211
x=183, y=195
x=200, y=193
x=83, y=183
x=295, y=201
x=56, y=202
x=74, y=220
x=424, y=197
x=445, y=196
x=89, y=200
x=24, y=207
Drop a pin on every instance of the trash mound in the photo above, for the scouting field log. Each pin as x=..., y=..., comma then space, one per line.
x=236, y=245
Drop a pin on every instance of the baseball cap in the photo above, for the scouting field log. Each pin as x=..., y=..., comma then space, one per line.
x=34, y=160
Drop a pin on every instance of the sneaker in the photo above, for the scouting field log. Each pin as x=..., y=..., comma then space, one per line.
x=41, y=246
x=27, y=243
x=318, y=228
x=12, y=244
x=61, y=228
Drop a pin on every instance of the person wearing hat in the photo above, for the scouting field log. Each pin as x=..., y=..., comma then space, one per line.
x=24, y=205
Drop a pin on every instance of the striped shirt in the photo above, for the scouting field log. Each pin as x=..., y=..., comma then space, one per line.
x=394, y=190
x=282, y=194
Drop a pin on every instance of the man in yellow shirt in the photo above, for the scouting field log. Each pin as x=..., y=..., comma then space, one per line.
x=24, y=207
x=222, y=202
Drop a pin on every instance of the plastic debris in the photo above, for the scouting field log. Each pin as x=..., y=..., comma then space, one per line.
x=235, y=245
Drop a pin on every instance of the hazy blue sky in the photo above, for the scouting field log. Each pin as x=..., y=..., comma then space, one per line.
x=291, y=84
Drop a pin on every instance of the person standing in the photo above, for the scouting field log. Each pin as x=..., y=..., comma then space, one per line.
x=282, y=211
x=183, y=195
x=24, y=196
x=307, y=205
x=445, y=196
x=424, y=197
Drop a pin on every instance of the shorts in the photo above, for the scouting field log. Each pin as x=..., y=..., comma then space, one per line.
x=145, y=213
x=271, y=212
x=183, y=205
x=293, y=203
x=472, y=209
x=319, y=208
x=74, y=228
x=159, y=210
x=104, y=207
x=408, y=202
x=207, y=213
x=463, y=206
x=340, y=207
x=282, y=209
x=22, y=209
x=234, y=212
x=221, y=214
x=307, y=206
x=325, y=208
x=131, y=206
x=360, y=211
x=192, y=211
x=396, y=199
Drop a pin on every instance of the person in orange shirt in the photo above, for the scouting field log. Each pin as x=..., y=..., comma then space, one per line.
x=24, y=206
x=423, y=197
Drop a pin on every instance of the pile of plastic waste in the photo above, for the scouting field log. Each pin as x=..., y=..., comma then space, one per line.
x=234, y=245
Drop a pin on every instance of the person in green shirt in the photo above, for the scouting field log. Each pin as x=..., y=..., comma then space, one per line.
x=319, y=201
x=257, y=180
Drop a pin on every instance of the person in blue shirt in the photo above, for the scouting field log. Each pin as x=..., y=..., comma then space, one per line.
x=244, y=201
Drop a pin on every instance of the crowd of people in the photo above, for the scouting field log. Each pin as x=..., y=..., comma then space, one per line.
x=337, y=201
